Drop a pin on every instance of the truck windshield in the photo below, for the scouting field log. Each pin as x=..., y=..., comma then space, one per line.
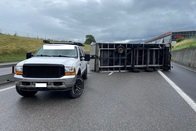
x=57, y=53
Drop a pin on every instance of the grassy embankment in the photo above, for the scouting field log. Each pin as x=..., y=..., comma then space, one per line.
x=188, y=43
x=14, y=48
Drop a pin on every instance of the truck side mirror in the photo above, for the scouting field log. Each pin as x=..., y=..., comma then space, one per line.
x=87, y=57
x=29, y=55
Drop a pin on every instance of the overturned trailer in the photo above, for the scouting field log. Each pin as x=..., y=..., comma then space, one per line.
x=130, y=56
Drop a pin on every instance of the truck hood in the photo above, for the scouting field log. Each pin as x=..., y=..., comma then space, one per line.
x=49, y=60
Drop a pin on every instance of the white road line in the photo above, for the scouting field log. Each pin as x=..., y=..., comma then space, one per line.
x=179, y=91
x=5, y=89
x=110, y=73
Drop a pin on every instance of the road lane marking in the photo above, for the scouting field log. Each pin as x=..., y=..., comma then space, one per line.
x=110, y=73
x=5, y=89
x=188, y=100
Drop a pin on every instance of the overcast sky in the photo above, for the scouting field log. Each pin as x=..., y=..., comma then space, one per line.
x=107, y=20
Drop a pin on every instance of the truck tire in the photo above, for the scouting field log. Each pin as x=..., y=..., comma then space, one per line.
x=85, y=75
x=77, y=89
x=25, y=93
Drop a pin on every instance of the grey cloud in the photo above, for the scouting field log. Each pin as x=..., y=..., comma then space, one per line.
x=107, y=20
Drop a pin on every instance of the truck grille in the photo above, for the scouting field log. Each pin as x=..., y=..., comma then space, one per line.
x=43, y=70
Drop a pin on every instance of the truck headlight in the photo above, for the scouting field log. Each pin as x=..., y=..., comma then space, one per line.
x=18, y=70
x=69, y=70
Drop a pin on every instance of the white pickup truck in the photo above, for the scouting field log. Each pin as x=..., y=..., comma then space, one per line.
x=59, y=67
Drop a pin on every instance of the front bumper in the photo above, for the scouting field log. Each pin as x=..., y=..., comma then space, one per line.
x=63, y=83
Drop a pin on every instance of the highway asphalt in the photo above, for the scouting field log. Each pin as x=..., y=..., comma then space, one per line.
x=184, y=78
x=120, y=102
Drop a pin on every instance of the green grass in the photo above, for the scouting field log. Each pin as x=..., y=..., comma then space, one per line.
x=188, y=43
x=14, y=48
x=12, y=57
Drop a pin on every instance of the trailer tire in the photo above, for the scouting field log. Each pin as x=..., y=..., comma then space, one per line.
x=166, y=69
x=135, y=70
x=25, y=93
x=149, y=69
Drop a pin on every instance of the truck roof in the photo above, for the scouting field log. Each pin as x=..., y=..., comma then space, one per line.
x=58, y=46
x=63, y=42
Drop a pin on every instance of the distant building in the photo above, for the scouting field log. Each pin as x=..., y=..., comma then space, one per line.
x=171, y=37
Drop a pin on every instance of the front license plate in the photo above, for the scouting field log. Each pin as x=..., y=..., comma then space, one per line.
x=40, y=84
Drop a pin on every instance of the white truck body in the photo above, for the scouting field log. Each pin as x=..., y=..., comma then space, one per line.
x=73, y=68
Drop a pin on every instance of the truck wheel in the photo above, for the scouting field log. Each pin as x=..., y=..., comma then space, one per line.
x=84, y=76
x=77, y=89
x=25, y=93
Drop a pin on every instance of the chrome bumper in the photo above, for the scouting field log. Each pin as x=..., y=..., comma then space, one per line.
x=63, y=83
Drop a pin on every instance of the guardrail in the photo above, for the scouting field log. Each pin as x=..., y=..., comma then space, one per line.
x=8, y=77
x=3, y=65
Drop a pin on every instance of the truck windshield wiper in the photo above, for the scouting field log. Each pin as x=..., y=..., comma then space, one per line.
x=60, y=56
x=44, y=55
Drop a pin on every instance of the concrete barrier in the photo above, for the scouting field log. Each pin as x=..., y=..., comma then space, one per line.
x=185, y=57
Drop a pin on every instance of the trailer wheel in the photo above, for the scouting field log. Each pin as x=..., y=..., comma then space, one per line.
x=135, y=70
x=25, y=93
x=166, y=69
x=149, y=69
x=77, y=89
